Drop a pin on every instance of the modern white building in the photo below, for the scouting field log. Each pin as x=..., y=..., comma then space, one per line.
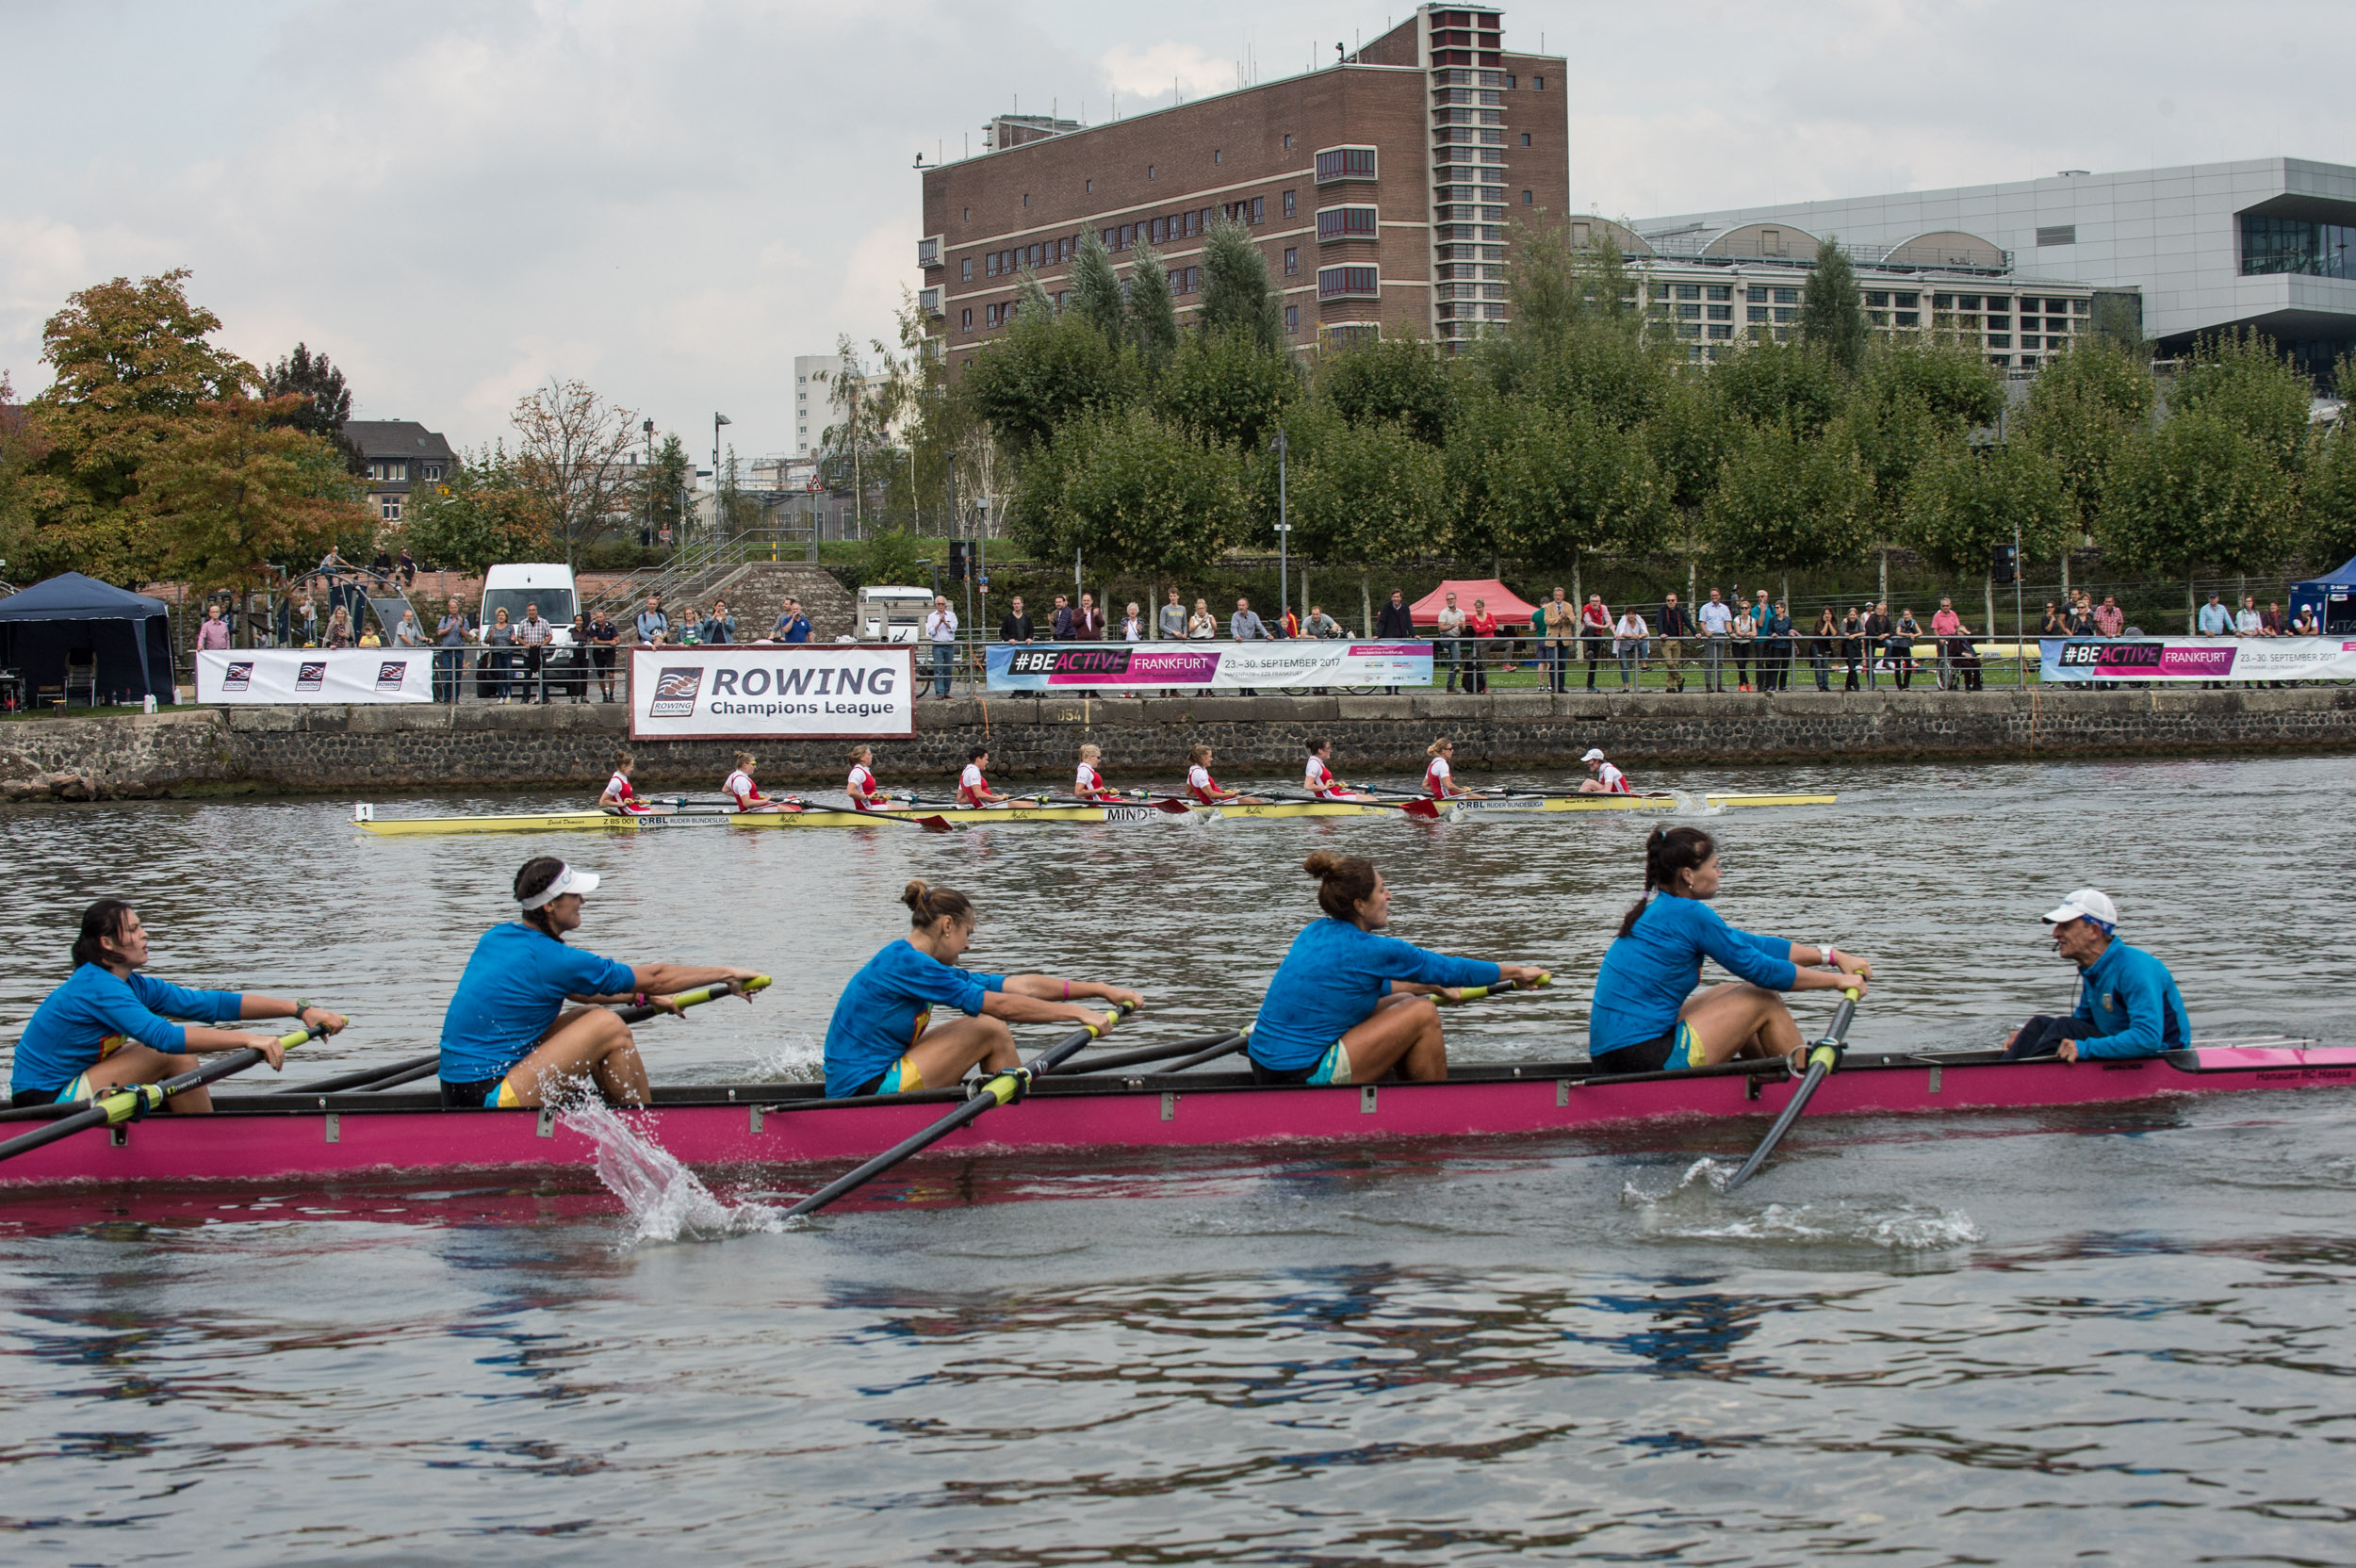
x=2261, y=243
x=819, y=397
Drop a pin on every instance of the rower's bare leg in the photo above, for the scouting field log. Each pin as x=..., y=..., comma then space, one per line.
x=584, y=1042
x=1403, y=1033
x=141, y=1064
x=1741, y=1019
x=944, y=1052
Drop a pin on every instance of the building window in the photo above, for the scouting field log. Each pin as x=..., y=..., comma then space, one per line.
x=1719, y=292
x=968, y=215
x=1688, y=329
x=1787, y=296
x=2000, y=341
x=1345, y=163
x=965, y=270
x=1525, y=139
x=1288, y=142
x=1292, y=199
x=990, y=264
x=1909, y=317
x=1525, y=198
x=1346, y=223
x=1786, y=313
x=1722, y=331
x=1754, y=313
x=431, y=471
x=1292, y=313
x=1292, y=262
x=388, y=508
x=1688, y=290
x=1091, y=188
x=2061, y=233
x=1539, y=82
x=1259, y=209
x=967, y=325
x=1722, y=312
x=1026, y=198
x=1349, y=282
x=1149, y=171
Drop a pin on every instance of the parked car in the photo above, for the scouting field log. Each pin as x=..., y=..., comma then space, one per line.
x=550, y=585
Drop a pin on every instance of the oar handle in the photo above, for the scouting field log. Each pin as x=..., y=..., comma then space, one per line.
x=1474, y=993
x=698, y=997
x=1015, y=1082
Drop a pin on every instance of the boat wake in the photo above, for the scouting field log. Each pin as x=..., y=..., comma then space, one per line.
x=666, y=1200
x=1687, y=1210
x=800, y=1059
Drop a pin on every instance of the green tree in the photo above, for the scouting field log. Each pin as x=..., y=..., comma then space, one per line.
x=1787, y=499
x=1832, y=315
x=1046, y=371
x=241, y=486
x=1369, y=495
x=2082, y=408
x=325, y=399
x=131, y=363
x=21, y=449
x=1236, y=298
x=1141, y=495
x=1152, y=316
x=1953, y=382
x=2197, y=491
x=1096, y=289
x=1390, y=378
x=1691, y=436
x=481, y=515
x=1227, y=390
x=1963, y=501
x=2241, y=378
x=1571, y=486
x=659, y=499
x=1033, y=297
x=2327, y=495
x=1780, y=384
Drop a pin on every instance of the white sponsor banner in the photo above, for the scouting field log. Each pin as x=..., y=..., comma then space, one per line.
x=2198, y=659
x=314, y=674
x=1078, y=669
x=806, y=691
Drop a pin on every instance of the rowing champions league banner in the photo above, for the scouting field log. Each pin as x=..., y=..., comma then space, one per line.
x=314, y=674
x=1150, y=667
x=2198, y=659
x=802, y=691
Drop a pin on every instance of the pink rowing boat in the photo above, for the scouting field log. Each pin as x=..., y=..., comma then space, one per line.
x=748, y=1126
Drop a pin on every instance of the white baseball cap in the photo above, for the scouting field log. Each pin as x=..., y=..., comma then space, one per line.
x=571, y=881
x=1594, y=754
x=2085, y=904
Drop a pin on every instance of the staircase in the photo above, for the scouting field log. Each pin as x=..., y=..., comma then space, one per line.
x=757, y=590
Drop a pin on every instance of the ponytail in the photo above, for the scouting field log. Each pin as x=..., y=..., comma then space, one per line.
x=1667, y=851
x=927, y=903
x=1343, y=880
x=101, y=922
x=1438, y=746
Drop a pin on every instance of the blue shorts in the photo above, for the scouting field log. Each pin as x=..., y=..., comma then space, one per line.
x=1673, y=1051
x=1332, y=1068
x=901, y=1077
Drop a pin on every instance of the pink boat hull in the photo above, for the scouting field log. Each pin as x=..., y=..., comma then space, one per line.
x=245, y=1144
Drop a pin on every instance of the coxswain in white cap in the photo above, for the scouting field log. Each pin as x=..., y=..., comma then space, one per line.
x=2128, y=1004
x=1604, y=778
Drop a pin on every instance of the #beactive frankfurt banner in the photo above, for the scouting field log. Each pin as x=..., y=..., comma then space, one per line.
x=314, y=674
x=2198, y=659
x=1094, y=667
x=799, y=691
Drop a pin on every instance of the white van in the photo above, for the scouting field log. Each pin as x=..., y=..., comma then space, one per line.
x=549, y=586
x=892, y=614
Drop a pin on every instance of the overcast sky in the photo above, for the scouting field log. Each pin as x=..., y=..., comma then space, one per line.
x=458, y=199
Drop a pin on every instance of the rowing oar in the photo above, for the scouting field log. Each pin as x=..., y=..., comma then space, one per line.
x=137, y=1099
x=1474, y=993
x=1822, y=1058
x=928, y=824
x=1428, y=809
x=998, y=1089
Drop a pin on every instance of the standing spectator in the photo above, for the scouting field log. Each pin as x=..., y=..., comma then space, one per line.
x=1852, y=643
x=1902, y=640
x=652, y=622
x=1171, y=622
x=792, y=624
x=1202, y=625
x=603, y=636
x=532, y=634
x=2056, y=625
x=307, y=623
x=1877, y=628
x=1394, y=621
x=2247, y=622
x=1483, y=627
x=1717, y=624
x=1289, y=624
x=1451, y=640
x=1820, y=647
x=1594, y=634
x=1244, y=626
x=450, y=666
x=941, y=629
x=214, y=633
x=1556, y=628
x=408, y=635
x=1780, y=649
x=1946, y=626
x=2080, y=613
x=1017, y=627
x=1742, y=639
x=2216, y=620
x=498, y=638
x=339, y=629
x=2109, y=621
x=1322, y=625
x=1677, y=625
x=1967, y=657
x=1087, y=622
x=1628, y=636
x=1059, y=623
x=719, y=627
x=2270, y=620
x=2306, y=625
x=407, y=568
x=1133, y=625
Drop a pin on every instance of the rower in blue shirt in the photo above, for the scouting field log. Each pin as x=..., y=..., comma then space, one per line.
x=2128, y=1004
x=508, y=1037
x=1647, y=1016
x=882, y=1039
x=110, y=1026
x=1348, y=1004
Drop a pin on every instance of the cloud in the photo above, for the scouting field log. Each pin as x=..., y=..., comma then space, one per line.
x=1153, y=69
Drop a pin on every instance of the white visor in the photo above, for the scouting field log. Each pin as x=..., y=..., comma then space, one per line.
x=568, y=881
x=1594, y=754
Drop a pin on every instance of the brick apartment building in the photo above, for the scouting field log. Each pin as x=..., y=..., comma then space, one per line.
x=1380, y=188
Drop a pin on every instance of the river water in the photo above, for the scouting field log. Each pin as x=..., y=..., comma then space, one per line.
x=2116, y=1334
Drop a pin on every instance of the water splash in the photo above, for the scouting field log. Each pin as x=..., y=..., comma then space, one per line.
x=665, y=1200
x=798, y=1059
x=1689, y=1209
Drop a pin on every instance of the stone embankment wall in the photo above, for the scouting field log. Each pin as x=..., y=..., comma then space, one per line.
x=381, y=750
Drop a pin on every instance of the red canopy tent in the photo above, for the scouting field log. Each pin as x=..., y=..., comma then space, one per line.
x=1509, y=608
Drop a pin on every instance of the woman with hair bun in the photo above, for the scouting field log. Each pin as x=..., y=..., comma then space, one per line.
x=1647, y=1016
x=509, y=1039
x=882, y=1039
x=1348, y=1004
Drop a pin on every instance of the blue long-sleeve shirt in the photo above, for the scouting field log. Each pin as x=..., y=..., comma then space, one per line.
x=1332, y=979
x=1647, y=974
x=2128, y=1006
x=96, y=1009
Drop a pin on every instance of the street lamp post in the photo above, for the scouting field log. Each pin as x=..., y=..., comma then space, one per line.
x=1284, y=532
x=717, y=420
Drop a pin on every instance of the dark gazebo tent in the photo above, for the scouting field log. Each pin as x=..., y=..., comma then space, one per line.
x=2333, y=597
x=122, y=638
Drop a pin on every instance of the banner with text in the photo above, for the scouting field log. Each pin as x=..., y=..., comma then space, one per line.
x=2198, y=659
x=1107, y=669
x=801, y=691
x=314, y=674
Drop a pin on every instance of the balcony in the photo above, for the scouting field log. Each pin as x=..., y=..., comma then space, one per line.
x=1349, y=283
x=1338, y=164
x=928, y=251
x=1351, y=223
x=928, y=301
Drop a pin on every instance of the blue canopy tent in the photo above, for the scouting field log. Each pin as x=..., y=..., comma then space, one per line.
x=113, y=642
x=2332, y=597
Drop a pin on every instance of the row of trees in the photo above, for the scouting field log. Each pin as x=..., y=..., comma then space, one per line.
x=155, y=454
x=1579, y=430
